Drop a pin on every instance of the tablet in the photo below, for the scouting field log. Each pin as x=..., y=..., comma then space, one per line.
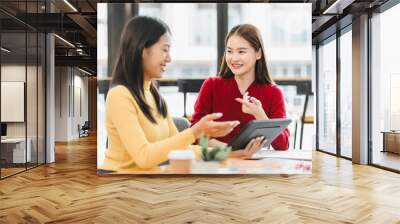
x=270, y=129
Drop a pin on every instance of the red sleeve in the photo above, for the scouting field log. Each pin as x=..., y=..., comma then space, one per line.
x=203, y=105
x=278, y=110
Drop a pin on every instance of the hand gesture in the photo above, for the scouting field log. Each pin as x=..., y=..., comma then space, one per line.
x=211, y=128
x=253, y=106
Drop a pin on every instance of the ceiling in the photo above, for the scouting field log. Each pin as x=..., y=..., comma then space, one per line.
x=76, y=22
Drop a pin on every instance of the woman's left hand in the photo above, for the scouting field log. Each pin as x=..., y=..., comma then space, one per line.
x=253, y=106
x=252, y=147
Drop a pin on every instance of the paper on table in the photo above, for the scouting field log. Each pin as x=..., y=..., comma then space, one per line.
x=290, y=154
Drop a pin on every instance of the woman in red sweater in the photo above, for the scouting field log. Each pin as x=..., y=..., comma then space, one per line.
x=243, y=90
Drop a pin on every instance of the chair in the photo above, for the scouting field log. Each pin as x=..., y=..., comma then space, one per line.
x=181, y=123
x=296, y=121
x=188, y=86
x=299, y=122
x=84, y=130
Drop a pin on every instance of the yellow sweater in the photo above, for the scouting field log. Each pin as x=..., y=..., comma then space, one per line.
x=134, y=142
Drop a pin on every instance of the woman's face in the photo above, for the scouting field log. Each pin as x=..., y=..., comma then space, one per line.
x=156, y=57
x=240, y=56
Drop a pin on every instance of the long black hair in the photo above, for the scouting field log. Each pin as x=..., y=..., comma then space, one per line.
x=253, y=36
x=140, y=32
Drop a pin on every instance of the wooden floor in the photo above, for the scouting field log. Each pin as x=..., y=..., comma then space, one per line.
x=70, y=191
x=387, y=159
x=10, y=171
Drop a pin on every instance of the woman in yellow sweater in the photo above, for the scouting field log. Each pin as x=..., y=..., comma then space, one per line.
x=141, y=133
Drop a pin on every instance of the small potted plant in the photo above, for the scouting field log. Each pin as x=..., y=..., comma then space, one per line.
x=212, y=157
x=218, y=153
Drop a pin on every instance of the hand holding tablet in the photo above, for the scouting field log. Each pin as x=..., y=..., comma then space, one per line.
x=269, y=129
x=252, y=147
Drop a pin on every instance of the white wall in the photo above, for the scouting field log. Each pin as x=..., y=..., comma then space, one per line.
x=16, y=73
x=71, y=94
x=81, y=100
x=61, y=103
x=33, y=126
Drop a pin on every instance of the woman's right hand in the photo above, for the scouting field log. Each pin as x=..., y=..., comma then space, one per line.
x=211, y=128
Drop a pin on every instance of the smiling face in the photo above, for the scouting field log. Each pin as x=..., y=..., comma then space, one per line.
x=240, y=56
x=156, y=57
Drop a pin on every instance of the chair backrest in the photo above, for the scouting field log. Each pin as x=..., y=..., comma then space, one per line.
x=181, y=123
x=189, y=85
x=86, y=125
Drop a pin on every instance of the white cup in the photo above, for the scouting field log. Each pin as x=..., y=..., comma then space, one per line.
x=180, y=161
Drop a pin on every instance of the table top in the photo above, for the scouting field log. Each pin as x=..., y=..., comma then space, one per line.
x=391, y=132
x=13, y=140
x=265, y=162
x=280, y=78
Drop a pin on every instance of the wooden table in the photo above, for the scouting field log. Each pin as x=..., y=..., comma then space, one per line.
x=391, y=141
x=14, y=152
x=266, y=162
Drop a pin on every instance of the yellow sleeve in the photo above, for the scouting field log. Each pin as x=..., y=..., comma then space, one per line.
x=124, y=117
x=172, y=127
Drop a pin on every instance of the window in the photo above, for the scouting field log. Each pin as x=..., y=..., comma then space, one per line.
x=194, y=46
x=23, y=77
x=287, y=39
x=385, y=84
x=327, y=96
x=297, y=71
x=102, y=39
x=308, y=70
x=346, y=94
x=194, y=37
x=284, y=71
x=102, y=74
x=204, y=22
x=152, y=10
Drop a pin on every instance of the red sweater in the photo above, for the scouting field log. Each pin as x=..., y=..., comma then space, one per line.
x=218, y=95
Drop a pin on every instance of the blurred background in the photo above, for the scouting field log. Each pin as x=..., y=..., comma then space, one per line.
x=56, y=59
x=196, y=41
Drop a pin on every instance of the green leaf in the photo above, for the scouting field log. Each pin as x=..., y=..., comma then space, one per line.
x=218, y=153
x=212, y=153
x=204, y=153
x=203, y=141
x=222, y=154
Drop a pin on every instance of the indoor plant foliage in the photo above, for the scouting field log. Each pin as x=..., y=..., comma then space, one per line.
x=219, y=153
